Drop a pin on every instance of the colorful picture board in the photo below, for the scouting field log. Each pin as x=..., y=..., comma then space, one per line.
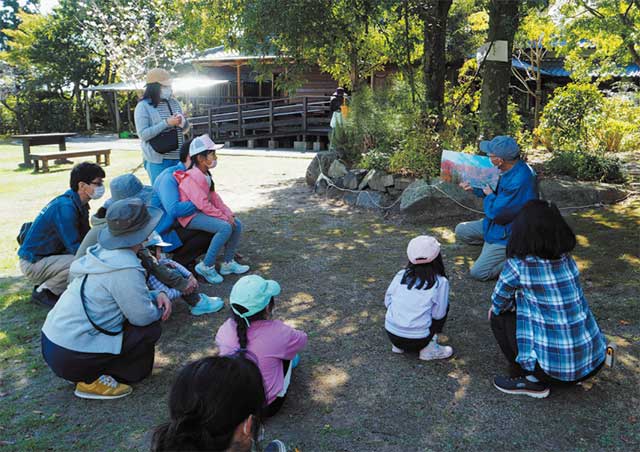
x=456, y=167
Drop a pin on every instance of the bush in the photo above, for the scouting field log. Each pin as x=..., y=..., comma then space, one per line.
x=569, y=116
x=419, y=154
x=618, y=127
x=586, y=166
x=375, y=159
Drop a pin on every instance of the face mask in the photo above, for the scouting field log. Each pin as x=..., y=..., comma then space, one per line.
x=213, y=164
x=166, y=92
x=98, y=192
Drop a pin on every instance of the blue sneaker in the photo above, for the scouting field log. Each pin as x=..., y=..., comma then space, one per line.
x=207, y=305
x=275, y=446
x=226, y=268
x=209, y=273
x=295, y=361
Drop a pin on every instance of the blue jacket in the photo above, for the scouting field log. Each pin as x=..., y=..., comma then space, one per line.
x=58, y=229
x=515, y=187
x=167, y=198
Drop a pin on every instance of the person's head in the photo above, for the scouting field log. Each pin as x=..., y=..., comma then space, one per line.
x=158, y=86
x=252, y=298
x=425, y=263
x=185, y=158
x=128, y=186
x=129, y=223
x=202, y=151
x=87, y=179
x=214, y=405
x=540, y=230
x=156, y=244
x=339, y=92
x=503, y=151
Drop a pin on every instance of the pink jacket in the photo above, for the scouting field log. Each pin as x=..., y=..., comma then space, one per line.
x=193, y=186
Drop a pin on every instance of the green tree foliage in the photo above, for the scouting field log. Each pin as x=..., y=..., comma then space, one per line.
x=10, y=16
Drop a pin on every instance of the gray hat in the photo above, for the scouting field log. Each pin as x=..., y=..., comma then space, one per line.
x=129, y=223
x=128, y=186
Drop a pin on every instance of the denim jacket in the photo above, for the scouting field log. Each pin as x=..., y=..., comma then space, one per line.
x=58, y=229
x=149, y=124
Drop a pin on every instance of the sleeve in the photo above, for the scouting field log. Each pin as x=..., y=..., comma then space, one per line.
x=133, y=297
x=65, y=215
x=156, y=285
x=388, y=297
x=441, y=299
x=504, y=294
x=478, y=192
x=181, y=269
x=144, y=128
x=295, y=341
x=201, y=200
x=505, y=205
x=170, y=199
x=219, y=203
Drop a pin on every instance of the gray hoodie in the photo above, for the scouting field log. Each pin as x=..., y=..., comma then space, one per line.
x=115, y=290
x=97, y=224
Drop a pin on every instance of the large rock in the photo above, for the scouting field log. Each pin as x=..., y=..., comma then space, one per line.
x=353, y=178
x=337, y=170
x=402, y=183
x=423, y=201
x=377, y=180
x=322, y=160
x=569, y=193
x=369, y=199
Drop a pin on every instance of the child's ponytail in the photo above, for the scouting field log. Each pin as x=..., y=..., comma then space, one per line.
x=243, y=323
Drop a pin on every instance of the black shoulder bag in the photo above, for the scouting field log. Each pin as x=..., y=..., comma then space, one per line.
x=167, y=140
x=97, y=327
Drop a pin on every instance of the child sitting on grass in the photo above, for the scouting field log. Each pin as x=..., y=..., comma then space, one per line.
x=417, y=302
x=176, y=281
x=251, y=331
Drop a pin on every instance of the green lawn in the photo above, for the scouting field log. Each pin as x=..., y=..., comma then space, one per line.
x=350, y=392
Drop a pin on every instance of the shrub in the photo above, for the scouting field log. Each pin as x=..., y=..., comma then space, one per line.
x=419, y=153
x=586, y=166
x=618, y=127
x=569, y=116
x=375, y=159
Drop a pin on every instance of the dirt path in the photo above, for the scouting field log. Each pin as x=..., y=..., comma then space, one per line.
x=350, y=393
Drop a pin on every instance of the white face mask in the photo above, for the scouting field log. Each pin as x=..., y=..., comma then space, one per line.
x=166, y=92
x=214, y=164
x=98, y=192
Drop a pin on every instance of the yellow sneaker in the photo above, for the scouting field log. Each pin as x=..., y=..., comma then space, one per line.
x=104, y=388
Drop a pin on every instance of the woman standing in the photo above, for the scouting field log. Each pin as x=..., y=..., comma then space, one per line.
x=160, y=124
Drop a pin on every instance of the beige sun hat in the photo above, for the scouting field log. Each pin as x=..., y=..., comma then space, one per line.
x=159, y=75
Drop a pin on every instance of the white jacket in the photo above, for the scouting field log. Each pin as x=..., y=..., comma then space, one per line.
x=409, y=312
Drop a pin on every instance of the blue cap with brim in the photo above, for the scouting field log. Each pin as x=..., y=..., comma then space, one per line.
x=252, y=293
x=502, y=146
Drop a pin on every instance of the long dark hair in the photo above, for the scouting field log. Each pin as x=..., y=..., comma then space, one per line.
x=208, y=400
x=152, y=92
x=423, y=276
x=540, y=230
x=241, y=325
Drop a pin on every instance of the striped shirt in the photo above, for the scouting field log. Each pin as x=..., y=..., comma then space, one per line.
x=555, y=327
x=155, y=284
x=165, y=113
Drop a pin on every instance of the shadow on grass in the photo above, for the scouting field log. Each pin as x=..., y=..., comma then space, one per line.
x=350, y=392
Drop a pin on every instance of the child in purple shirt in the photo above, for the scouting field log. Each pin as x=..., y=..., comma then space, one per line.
x=252, y=331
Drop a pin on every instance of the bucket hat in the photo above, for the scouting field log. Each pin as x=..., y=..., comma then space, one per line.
x=129, y=223
x=128, y=186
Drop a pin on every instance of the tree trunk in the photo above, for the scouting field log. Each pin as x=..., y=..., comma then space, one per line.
x=503, y=24
x=434, y=17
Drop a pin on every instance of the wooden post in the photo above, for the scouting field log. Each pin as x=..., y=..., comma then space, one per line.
x=240, y=125
x=211, y=122
x=273, y=80
x=129, y=122
x=238, y=83
x=305, y=104
x=117, y=111
x=87, y=110
x=271, y=124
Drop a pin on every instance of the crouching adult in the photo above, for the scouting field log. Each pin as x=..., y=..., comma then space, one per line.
x=102, y=332
x=48, y=246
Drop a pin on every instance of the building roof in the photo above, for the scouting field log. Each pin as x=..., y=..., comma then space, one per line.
x=556, y=69
x=180, y=84
x=220, y=54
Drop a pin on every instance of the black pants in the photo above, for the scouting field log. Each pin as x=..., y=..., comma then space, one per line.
x=134, y=363
x=273, y=408
x=415, y=345
x=194, y=243
x=504, y=330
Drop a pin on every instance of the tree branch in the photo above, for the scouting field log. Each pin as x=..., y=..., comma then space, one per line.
x=593, y=11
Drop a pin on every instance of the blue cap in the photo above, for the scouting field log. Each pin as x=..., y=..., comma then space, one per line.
x=502, y=146
x=128, y=186
x=252, y=293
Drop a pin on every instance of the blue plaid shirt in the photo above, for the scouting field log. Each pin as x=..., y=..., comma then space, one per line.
x=555, y=327
x=155, y=284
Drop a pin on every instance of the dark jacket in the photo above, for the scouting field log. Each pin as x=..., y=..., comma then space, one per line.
x=58, y=229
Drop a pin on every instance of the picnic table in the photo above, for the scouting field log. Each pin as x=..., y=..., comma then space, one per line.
x=39, y=139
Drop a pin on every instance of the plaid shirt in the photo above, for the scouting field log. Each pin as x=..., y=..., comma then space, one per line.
x=555, y=327
x=155, y=284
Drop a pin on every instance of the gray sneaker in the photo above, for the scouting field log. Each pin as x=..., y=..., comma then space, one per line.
x=275, y=446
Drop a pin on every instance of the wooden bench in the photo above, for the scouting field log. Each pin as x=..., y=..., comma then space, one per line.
x=102, y=156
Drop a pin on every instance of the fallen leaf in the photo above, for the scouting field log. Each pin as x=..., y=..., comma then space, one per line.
x=633, y=419
x=625, y=322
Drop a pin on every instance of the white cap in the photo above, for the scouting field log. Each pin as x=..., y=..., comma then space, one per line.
x=201, y=144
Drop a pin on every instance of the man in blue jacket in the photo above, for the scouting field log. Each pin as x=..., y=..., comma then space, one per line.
x=186, y=244
x=517, y=185
x=49, y=245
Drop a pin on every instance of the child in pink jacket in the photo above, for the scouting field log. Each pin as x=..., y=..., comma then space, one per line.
x=213, y=215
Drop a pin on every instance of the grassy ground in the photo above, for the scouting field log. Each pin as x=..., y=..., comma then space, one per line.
x=350, y=392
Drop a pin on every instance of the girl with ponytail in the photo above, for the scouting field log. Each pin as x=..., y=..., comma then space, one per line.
x=251, y=332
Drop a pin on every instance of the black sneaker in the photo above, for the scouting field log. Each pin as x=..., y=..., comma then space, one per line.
x=44, y=298
x=520, y=385
x=275, y=446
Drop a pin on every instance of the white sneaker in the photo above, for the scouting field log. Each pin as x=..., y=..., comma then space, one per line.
x=395, y=349
x=227, y=268
x=435, y=351
x=209, y=273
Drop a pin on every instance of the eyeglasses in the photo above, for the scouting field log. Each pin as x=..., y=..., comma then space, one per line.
x=97, y=184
